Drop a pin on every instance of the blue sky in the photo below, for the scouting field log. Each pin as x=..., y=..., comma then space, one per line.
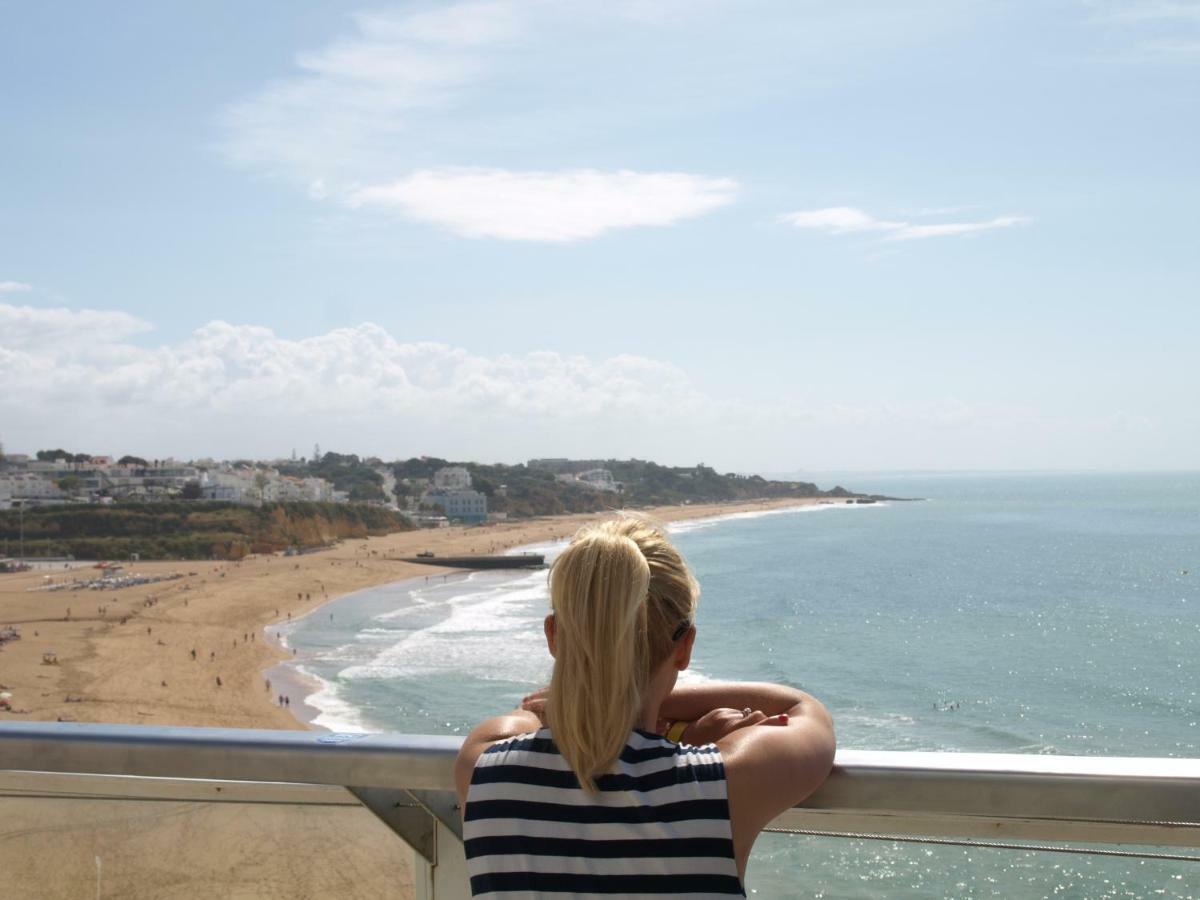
x=769, y=236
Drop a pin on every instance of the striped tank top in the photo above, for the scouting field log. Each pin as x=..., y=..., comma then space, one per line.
x=658, y=824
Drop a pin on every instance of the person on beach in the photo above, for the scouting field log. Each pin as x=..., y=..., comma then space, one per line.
x=615, y=779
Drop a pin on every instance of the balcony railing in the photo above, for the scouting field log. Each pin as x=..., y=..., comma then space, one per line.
x=406, y=781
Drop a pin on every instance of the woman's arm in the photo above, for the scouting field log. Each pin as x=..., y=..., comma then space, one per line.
x=710, y=712
x=691, y=701
x=482, y=736
x=707, y=711
x=769, y=770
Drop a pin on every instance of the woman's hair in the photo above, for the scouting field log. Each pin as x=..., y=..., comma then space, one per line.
x=620, y=593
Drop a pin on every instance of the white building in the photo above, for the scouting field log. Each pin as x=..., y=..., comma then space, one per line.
x=599, y=479
x=282, y=489
x=27, y=486
x=163, y=481
x=319, y=490
x=593, y=479
x=466, y=506
x=452, y=478
x=251, y=485
x=43, y=466
x=230, y=485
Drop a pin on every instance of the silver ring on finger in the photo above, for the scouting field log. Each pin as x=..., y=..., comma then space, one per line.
x=746, y=712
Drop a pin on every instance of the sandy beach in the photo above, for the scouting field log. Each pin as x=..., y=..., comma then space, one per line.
x=193, y=651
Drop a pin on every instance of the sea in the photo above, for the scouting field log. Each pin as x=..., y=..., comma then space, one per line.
x=1016, y=613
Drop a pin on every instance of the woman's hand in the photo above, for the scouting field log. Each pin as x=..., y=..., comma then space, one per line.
x=710, y=727
x=715, y=724
x=536, y=704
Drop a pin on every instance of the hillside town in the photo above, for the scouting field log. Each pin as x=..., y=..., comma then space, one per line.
x=101, y=479
x=27, y=482
x=58, y=504
x=426, y=490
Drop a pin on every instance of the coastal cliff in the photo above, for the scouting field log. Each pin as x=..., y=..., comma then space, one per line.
x=184, y=530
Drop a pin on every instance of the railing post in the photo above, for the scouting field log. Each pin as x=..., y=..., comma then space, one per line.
x=447, y=879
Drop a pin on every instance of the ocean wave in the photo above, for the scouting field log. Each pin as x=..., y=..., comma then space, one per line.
x=402, y=612
x=492, y=632
x=422, y=595
x=876, y=720
x=278, y=633
x=334, y=713
x=684, y=526
x=377, y=635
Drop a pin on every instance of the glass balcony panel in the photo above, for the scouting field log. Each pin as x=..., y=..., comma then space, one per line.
x=58, y=841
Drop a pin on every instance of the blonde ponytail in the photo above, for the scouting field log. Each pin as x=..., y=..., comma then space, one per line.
x=618, y=593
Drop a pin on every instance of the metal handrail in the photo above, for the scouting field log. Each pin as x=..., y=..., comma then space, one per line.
x=997, y=797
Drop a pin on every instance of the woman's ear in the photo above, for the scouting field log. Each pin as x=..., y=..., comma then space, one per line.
x=683, y=650
x=548, y=627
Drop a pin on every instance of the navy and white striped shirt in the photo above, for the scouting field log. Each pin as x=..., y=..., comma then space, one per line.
x=658, y=824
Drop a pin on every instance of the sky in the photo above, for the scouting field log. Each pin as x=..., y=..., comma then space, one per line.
x=768, y=236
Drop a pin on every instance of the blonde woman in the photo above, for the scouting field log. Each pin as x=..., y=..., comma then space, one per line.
x=614, y=780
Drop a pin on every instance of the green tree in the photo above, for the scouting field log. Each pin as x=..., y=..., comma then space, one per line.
x=191, y=491
x=260, y=483
x=366, y=490
x=69, y=484
x=133, y=461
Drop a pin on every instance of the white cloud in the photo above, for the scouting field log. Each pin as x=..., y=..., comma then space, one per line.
x=13, y=287
x=1179, y=49
x=547, y=206
x=74, y=378
x=347, y=108
x=462, y=24
x=61, y=329
x=1161, y=30
x=1149, y=10
x=343, y=128
x=233, y=390
x=245, y=378
x=916, y=232
x=839, y=220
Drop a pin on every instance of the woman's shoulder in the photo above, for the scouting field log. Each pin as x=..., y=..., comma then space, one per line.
x=511, y=726
x=532, y=741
